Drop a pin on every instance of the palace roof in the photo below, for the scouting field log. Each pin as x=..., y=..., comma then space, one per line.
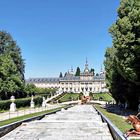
x=57, y=80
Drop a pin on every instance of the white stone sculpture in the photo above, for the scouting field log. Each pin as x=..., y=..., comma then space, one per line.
x=44, y=102
x=12, y=105
x=32, y=104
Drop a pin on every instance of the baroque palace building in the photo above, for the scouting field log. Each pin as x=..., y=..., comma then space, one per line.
x=87, y=82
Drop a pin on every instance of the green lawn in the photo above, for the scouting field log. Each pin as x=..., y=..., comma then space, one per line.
x=116, y=119
x=12, y=120
x=69, y=97
x=103, y=96
x=18, y=109
x=96, y=96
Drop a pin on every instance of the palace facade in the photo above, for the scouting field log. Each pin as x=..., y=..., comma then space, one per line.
x=87, y=82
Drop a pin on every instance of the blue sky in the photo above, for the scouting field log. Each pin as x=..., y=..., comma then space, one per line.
x=57, y=34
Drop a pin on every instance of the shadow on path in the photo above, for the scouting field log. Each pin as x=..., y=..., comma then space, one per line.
x=120, y=111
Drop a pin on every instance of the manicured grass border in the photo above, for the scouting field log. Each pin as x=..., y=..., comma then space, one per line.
x=26, y=117
x=102, y=96
x=95, y=96
x=115, y=119
x=69, y=97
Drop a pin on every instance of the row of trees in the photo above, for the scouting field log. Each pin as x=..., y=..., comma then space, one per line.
x=31, y=89
x=122, y=62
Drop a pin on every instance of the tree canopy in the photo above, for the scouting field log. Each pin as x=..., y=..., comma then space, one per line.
x=11, y=67
x=78, y=71
x=61, y=75
x=92, y=70
x=122, y=62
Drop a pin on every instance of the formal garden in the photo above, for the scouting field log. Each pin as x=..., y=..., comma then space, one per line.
x=94, y=96
x=25, y=102
x=122, y=66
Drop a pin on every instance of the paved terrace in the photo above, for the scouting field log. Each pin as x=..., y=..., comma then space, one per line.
x=80, y=122
x=8, y=115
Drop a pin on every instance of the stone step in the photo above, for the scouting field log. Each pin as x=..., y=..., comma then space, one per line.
x=80, y=122
x=76, y=138
x=82, y=126
x=88, y=119
x=71, y=116
x=65, y=132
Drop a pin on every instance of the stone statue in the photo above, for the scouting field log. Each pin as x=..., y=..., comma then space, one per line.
x=12, y=105
x=44, y=102
x=32, y=104
x=85, y=99
x=134, y=120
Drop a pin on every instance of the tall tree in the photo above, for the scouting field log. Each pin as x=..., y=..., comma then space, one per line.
x=92, y=70
x=77, y=72
x=9, y=46
x=97, y=74
x=114, y=80
x=11, y=67
x=65, y=74
x=126, y=53
x=61, y=75
x=126, y=39
x=30, y=89
x=10, y=79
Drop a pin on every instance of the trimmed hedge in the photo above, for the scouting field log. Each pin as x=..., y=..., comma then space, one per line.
x=5, y=105
x=24, y=102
